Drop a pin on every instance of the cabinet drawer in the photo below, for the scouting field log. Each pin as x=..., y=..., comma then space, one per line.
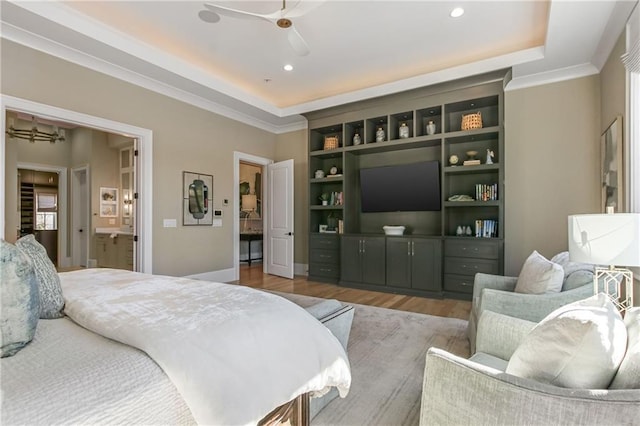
x=325, y=256
x=324, y=242
x=458, y=283
x=470, y=266
x=324, y=270
x=468, y=248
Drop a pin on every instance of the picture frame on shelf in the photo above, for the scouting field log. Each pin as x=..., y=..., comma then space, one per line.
x=323, y=228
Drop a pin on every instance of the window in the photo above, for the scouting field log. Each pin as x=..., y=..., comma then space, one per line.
x=46, y=210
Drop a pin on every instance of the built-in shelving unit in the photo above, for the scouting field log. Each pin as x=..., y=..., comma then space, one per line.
x=453, y=257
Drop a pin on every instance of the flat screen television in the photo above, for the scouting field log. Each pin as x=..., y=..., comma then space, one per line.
x=406, y=187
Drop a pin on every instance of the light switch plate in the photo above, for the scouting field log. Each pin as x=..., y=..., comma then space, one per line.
x=169, y=223
x=217, y=223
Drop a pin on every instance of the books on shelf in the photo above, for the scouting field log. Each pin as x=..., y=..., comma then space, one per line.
x=471, y=162
x=486, y=192
x=486, y=228
x=336, y=198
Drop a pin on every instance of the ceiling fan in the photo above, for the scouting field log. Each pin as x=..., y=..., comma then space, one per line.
x=282, y=18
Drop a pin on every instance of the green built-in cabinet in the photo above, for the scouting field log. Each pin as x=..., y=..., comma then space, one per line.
x=432, y=258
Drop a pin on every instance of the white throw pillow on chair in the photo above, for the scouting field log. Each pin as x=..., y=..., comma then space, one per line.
x=539, y=276
x=580, y=345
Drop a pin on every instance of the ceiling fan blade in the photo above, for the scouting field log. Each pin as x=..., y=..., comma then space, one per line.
x=239, y=14
x=301, y=7
x=297, y=42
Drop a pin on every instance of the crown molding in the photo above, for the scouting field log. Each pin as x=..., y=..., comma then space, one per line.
x=42, y=44
x=552, y=76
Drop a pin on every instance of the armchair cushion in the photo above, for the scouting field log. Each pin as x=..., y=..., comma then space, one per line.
x=539, y=275
x=628, y=375
x=580, y=345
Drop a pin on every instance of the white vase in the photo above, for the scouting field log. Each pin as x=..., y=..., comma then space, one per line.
x=459, y=231
x=380, y=135
x=431, y=128
x=357, y=140
x=403, y=131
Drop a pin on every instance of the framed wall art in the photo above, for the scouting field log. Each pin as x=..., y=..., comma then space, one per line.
x=197, y=199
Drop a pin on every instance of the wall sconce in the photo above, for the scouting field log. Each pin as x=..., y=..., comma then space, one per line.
x=33, y=134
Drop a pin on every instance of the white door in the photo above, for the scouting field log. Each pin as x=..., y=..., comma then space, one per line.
x=279, y=236
x=80, y=217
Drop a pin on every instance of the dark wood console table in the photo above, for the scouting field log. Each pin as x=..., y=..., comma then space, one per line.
x=250, y=236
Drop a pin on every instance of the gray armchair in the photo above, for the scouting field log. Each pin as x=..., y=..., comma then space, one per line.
x=477, y=391
x=496, y=293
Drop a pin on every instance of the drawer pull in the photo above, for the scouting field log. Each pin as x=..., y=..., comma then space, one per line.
x=325, y=270
x=324, y=255
x=466, y=284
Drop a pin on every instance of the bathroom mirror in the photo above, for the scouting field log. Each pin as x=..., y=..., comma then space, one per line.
x=197, y=199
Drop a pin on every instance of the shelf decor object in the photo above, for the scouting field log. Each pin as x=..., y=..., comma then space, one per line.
x=608, y=239
x=331, y=142
x=471, y=121
x=380, y=135
x=403, y=131
x=431, y=128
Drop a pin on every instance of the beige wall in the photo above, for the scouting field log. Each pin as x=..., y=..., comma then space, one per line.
x=293, y=145
x=552, y=136
x=612, y=86
x=184, y=138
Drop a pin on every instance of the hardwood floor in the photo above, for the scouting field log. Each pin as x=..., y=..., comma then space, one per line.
x=253, y=277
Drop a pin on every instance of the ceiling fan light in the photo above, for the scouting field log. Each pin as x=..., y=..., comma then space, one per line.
x=457, y=12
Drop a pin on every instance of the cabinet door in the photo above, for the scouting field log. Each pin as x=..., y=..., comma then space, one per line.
x=350, y=265
x=373, y=260
x=426, y=265
x=399, y=262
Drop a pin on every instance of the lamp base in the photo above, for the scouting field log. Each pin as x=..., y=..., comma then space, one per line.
x=617, y=283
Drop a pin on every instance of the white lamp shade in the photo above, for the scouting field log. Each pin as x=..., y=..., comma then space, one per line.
x=605, y=239
x=249, y=202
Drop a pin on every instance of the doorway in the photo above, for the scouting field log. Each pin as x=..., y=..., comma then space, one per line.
x=143, y=206
x=251, y=215
x=80, y=217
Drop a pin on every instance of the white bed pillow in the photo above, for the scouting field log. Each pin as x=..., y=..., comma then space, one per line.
x=539, y=276
x=580, y=346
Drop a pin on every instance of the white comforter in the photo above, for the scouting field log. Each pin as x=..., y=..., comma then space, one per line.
x=234, y=353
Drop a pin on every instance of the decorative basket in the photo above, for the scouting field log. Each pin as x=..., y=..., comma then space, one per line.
x=330, y=142
x=471, y=121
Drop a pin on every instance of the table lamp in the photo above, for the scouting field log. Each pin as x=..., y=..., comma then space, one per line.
x=608, y=239
x=249, y=205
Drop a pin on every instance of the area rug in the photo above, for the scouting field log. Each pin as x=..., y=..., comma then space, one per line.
x=387, y=351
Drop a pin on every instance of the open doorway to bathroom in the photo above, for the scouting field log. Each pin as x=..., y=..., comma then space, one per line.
x=251, y=213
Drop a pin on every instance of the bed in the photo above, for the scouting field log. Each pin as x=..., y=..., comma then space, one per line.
x=145, y=349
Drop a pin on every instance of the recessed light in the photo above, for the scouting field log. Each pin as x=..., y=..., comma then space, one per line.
x=457, y=12
x=288, y=67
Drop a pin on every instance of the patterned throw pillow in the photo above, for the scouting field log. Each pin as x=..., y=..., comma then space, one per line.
x=18, y=300
x=51, y=300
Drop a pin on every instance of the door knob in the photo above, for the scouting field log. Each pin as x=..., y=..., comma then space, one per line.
x=80, y=230
x=289, y=233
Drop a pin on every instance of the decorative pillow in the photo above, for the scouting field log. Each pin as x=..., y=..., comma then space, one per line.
x=539, y=275
x=580, y=345
x=628, y=375
x=51, y=300
x=18, y=300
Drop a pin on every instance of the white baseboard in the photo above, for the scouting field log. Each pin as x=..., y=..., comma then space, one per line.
x=222, y=276
x=301, y=269
x=93, y=263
